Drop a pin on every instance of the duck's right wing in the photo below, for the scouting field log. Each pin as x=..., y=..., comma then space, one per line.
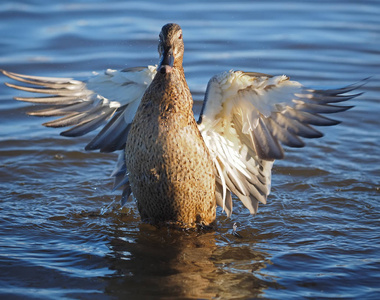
x=111, y=97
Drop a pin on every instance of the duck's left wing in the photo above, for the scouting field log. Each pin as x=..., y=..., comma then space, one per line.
x=111, y=97
x=247, y=116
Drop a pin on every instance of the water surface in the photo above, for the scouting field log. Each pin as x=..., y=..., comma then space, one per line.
x=318, y=236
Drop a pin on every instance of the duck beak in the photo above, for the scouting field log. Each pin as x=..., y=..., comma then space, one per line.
x=166, y=63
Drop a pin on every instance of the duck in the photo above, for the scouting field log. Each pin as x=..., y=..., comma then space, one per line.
x=176, y=168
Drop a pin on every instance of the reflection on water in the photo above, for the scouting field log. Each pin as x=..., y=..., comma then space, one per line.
x=183, y=264
x=317, y=237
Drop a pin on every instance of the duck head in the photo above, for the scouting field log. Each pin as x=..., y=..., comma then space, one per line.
x=170, y=48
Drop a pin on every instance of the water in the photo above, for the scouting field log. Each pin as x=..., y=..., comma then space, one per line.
x=318, y=237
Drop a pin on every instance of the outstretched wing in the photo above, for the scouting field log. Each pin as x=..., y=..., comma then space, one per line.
x=112, y=98
x=247, y=116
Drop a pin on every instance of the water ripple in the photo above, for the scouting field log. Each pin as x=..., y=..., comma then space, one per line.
x=63, y=235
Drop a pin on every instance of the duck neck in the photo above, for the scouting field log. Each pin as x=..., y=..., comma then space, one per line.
x=175, y=81
x=171, y=90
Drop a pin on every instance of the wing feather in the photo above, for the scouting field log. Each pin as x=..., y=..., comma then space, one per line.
x=89, y=123
x=247, y=117
x=62, y=110
x=84, y=106
x=65, y=91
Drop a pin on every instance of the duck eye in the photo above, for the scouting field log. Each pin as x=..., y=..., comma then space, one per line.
x=180, y=36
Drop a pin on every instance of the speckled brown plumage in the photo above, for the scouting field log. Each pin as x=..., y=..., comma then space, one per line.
x=170, y=169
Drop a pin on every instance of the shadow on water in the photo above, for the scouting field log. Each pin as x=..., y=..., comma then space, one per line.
x=169, y=263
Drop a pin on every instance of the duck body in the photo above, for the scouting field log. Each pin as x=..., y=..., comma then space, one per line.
x=170, y=169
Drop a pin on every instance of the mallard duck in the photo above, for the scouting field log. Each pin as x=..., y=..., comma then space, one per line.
x=178, y=169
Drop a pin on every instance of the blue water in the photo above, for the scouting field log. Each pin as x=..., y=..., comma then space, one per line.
x=318, y=236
